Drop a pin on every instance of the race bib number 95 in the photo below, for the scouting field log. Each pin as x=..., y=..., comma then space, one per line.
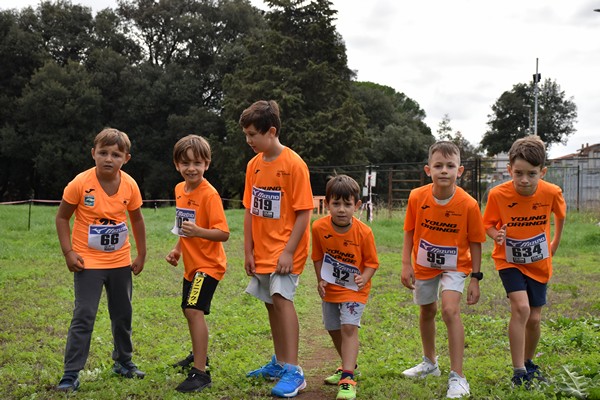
x=107, y=237
x=435, y=256
x=527, y=251
x=266, y=203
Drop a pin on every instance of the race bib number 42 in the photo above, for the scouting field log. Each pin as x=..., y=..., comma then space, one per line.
x=339, y=273
x=527, y=251
x=107, y=237
x=435, y=256
x=266, y=203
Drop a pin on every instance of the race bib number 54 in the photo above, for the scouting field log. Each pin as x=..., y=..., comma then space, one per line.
x=266, y=203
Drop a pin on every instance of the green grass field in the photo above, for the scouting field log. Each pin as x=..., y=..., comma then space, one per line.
x=36, y=301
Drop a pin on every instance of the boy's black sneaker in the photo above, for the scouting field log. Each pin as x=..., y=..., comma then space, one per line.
x=68, y=383
x=522, y=379
x=534, y=371
x=195, y=382
x=128, y=370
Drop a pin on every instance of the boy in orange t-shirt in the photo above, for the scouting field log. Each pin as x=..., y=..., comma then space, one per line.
x=443, y=232
x=278, y=202
x=345, y=260
x=517, y=218
x=201, y=226
x=99, y=254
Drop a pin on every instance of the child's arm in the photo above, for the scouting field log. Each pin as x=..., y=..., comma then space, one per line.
x=138, y=226
x=285, y=264
x=74, y=261
x=558, y=228
x=249, y=265
x=190, y=229
x=408, y=274
x=473, y=291
x=497, y=235
x=173, y=256
x=321, y=283
x=362, y=279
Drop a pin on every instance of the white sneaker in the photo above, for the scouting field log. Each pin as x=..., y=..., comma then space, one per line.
x=423, y=369
x=457, y=386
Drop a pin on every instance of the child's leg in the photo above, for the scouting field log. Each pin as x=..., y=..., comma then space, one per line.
x=532, y=332
x=118, y=295
x=519, y=314
x=336, y=338
x=88, y=289
x=349, y=350
x=284, y=328
x=456, y=332
x=199, y=335
x=427, y=327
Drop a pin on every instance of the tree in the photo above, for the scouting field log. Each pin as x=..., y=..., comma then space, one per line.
x=511, y=118
x=467, y=150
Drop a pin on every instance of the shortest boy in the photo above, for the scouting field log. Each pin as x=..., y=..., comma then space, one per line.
x=443, y=232
x=345, y=260
x=201, y=226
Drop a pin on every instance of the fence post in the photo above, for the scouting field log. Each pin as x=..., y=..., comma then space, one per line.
x=29, y=217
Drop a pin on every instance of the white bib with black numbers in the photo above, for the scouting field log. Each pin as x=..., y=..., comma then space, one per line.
x=339, y=273
x=182, y=215
x=435, y=256
x=107, y=237
x=527, y=251
x=266, y=203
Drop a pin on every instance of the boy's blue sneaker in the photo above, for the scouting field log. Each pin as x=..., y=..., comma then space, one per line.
x=292, y=381
x=128, y=370
x=534, y=371
x=68, y=383
x=270, y=371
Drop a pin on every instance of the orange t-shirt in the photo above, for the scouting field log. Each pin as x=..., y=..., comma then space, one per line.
x=355, y=248
x=274, y=191
x=100, y=233
x=204, y=206
x=528, y=227
x=442, y=233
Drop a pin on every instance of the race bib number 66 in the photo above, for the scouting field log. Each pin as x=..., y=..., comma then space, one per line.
x=107, y=237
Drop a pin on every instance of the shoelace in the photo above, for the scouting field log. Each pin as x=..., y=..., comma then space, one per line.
x=345, y=386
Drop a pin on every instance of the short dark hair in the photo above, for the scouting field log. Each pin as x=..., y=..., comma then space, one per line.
x=198, y=144
x=342, y=187
x=263, y=115
x=529, y=148
x=446, y=147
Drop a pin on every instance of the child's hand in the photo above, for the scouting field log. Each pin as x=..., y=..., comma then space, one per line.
x=285, y=264
x=473, y=292
x=173, y=257
x=408, y=276
x=138, y=265
x=501, y=235
x=249, y=265
x=321, y=287
x=358, y=279
x=553, y=247
x=74, y=261
x=189, y=228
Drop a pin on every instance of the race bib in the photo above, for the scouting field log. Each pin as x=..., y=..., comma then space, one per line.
x=527, y=251
x=339, y=273
x=266, y=203
x=107, y=237
x=182, y=215
x=440, y=257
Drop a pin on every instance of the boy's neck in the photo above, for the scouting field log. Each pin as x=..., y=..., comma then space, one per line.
x=273, y=152
x=341, y=228
x=188, y=187
x=443, y=193
x=110, y=184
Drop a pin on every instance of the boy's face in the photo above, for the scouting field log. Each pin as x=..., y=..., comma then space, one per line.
x=192, y=170
x=342, y=210
x=260, y=142
x=109, y=159
x=525, y=176
x=444, y=170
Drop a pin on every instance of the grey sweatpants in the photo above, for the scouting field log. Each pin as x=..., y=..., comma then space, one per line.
x=88, y=290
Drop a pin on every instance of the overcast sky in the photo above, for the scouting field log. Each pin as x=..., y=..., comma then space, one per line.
x=457, y=57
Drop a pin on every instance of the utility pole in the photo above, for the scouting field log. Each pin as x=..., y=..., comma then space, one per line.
x=536, y=79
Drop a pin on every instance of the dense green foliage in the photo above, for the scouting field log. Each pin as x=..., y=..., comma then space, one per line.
x=36, y=302
x=513, y=116
x=159, y=70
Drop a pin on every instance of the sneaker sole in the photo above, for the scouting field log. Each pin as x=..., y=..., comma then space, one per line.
x=292, y=394
x=201, y=388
